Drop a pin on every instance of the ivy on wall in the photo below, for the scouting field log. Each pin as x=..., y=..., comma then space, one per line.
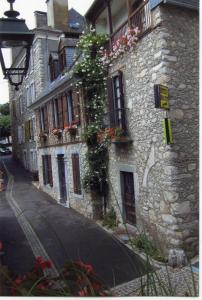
x=92, y=74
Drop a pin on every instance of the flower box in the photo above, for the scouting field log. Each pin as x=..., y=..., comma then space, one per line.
x=57, y=132
x=72, y=129
x=122, y=140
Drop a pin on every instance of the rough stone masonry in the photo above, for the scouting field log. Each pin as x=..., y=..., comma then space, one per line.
x=166, y=176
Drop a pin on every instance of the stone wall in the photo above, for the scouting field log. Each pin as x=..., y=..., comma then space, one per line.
x=81, y=203
x=165, y=176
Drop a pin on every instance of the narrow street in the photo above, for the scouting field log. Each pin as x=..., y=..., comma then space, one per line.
x=31, y=222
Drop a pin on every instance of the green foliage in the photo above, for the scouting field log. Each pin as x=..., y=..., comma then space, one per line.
x=5, y=126
x=110, y=219
x=144, y=244
x=92, y=78
x=92, y=39
x=4, y=109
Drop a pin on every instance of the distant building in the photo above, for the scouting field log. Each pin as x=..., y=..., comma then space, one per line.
x=40, y=75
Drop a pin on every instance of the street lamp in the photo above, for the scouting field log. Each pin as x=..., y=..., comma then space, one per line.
x=14, y=33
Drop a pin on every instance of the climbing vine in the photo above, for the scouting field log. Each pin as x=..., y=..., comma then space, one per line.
x=92, y=75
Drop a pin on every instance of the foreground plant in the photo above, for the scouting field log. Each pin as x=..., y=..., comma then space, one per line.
x=75, y=279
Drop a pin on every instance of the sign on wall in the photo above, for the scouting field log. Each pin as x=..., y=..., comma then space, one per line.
x=167, y=131
x=161, y=95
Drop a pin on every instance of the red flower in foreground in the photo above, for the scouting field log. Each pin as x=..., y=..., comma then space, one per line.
x=43, y=264
x=87, y=268
x=41, y=286
x=83, y=293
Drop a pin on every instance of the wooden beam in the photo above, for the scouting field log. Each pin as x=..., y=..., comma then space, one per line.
x=110, y=17
x=130, y=10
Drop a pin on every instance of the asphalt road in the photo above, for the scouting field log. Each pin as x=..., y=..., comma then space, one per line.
x=63, y=234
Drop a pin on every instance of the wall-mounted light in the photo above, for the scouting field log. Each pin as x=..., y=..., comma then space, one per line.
x=14, y=33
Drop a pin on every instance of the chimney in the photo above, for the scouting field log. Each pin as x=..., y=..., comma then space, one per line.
x=40, y=19
x=58, y=14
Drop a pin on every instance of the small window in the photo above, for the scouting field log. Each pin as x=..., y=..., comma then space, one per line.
x=47, y=170
x=76, y=173
x=116, y=101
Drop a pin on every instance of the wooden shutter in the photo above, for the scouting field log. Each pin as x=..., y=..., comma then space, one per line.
x=76, y=174
x=50, y=174
x=122, y=101
x=53, y=113
x=60, y=113
x=31, y=136
x=45, y=118
x=65, y=110
x=39, y=119
x=76, y=107
x=111, y=102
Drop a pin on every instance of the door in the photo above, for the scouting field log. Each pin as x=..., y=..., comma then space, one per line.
x=62, y=179
x=128, y=197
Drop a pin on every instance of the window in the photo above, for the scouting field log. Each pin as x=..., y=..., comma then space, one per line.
x=44, y=119
x=32, y=92
x=66, y=110
x=33, y=160
x=28, y=96
x=20, y=135
x=70, y=107
x=62, y=59
x=116, y=102
x=76, y=174
x=69, y=51
x=54, y=68
x=47, y=170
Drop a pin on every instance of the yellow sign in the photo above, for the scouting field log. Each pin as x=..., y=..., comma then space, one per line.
x=164, y=97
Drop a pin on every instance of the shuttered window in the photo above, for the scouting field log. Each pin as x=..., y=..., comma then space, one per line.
x=70, y=107
x=47, y=170
x=60, y=113
x=76, y=107
x=44, y=118
x=116, y=101
x=65, y=110
x=76, y=174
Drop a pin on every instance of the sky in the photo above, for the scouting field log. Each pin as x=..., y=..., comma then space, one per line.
x=26, y=9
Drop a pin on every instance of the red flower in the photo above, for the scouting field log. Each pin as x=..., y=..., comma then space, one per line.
x=41, y=286
x=87, y=268
x=18, y=281
x=83, y=293
x=43, y=264
x=96, y=286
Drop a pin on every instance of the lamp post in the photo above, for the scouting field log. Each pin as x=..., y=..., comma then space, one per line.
x=14, y=33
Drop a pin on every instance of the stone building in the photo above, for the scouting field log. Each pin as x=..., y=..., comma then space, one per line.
x=50, y=27
x=153, y=170
x=154, y=176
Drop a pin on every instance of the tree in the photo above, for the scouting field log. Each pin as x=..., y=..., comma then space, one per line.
x=5, y=109
x=5, y=127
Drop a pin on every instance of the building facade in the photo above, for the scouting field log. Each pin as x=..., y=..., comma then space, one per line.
x=153, y=170
x=153, y=181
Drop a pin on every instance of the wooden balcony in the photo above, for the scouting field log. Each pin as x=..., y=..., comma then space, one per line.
x=140, y=18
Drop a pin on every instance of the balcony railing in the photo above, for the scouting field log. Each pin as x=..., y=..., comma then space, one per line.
x=140, y=18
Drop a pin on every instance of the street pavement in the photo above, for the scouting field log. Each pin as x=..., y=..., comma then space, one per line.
x=16, y=253
x=60, y=233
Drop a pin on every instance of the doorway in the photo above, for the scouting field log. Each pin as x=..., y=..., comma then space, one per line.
x=62, y=178
x=128, y=197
